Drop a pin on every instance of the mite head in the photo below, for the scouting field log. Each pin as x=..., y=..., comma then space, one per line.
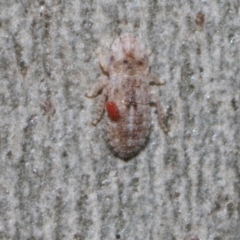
x=128, y=56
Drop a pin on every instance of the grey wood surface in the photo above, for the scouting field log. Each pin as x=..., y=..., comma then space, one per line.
x=59, y=179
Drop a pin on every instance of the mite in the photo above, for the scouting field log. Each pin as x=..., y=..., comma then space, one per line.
x=113, y=111
x=200, y=20
x=126, y=96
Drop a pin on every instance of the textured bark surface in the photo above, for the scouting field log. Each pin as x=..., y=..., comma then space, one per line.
x=58, y=178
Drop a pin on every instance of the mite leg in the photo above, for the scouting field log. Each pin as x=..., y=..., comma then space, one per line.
x=104, y=61
x=100, y=86
x=101, y=106
x=160, y=112
x=97, y=88
x=155, y=80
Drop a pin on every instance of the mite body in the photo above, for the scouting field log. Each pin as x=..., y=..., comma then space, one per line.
x=128, y=97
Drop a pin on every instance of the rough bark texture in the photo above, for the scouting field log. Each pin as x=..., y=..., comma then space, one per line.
x=58, y=178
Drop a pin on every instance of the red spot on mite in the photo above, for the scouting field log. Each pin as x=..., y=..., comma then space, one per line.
x=113, y=111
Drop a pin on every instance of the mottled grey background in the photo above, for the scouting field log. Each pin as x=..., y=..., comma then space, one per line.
x=58, y=178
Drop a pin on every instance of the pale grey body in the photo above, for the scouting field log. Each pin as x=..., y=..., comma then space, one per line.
x=128, y=135
x=128, y=87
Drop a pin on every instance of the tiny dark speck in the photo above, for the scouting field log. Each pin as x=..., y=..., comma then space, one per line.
x=65, y=154
x=111, y=59
x=9, y=154
x=118, y=236
x=200, y=19
x=234, y=104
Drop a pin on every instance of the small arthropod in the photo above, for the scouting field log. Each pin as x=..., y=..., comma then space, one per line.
x=127, y=93
x=200, y=20
x=113, y=111
x=48, y=107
